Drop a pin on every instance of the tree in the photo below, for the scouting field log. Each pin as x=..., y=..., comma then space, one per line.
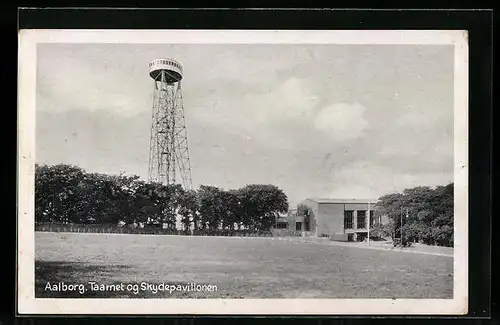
x=66, y=193
x=44, y=211
x=379, y=230
x=305, y=211
x=243, y=209
x=237, y=208
x=188, y=209
x=426, y=214
x=170, y=201
x=261, y=203
x=56, y=194
x=230, y=213
x=211, y=205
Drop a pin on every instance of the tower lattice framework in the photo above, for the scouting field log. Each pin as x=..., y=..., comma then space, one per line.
x=169, y=152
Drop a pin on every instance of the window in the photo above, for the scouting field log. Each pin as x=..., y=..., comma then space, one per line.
x=298, y=226
x=282, y=225
x=361, y=220
x=372, y=221
x=348, y=216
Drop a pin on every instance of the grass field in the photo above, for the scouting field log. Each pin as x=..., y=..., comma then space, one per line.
x=239, y=267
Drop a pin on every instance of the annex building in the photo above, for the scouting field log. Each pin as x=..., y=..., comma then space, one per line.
x=340, y=219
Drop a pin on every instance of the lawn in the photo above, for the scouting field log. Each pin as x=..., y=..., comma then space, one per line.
x=238, y=267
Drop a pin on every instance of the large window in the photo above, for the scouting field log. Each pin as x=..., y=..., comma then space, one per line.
x=361, y=220
x=372, y=220
x=348, y=217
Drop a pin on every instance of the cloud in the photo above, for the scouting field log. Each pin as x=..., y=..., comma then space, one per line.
x=342, y=121
x=280, y=116
x=270, y=117
x=293, y=99
x=370, y=180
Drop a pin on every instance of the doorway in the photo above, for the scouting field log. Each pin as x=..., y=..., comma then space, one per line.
x=361, y=237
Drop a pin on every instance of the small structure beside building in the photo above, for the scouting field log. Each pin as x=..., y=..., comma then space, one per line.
x=282, y=221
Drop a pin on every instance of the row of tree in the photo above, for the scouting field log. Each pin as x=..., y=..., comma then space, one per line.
x=419, y=214
x=68, y=194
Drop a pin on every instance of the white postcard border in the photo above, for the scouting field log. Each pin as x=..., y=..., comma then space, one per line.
x=28, y=304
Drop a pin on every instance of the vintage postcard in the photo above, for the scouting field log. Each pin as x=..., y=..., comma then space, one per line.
x=243, y=172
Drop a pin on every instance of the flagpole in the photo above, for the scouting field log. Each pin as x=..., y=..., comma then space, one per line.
x=406, y=217
x=401, y=227
x=369, y=220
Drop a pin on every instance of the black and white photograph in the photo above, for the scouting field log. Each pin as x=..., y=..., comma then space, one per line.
x=242, y=172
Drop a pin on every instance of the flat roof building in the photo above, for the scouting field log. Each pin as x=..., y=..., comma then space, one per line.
x=345, y=219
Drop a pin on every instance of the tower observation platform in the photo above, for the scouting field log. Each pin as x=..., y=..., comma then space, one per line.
x=171, y=68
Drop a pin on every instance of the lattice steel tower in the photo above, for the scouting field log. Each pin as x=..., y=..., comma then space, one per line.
x=168, y=146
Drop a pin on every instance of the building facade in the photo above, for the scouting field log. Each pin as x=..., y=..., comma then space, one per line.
x=340, y=219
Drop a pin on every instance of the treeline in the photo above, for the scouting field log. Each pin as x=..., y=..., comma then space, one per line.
x=68, y=194
x=419, y=214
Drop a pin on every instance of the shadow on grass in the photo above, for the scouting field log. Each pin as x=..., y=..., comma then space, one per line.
x=73, y=280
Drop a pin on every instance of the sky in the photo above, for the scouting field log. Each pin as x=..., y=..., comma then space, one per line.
x=326, y=120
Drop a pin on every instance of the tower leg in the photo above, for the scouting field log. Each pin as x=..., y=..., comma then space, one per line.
x=169, y=151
